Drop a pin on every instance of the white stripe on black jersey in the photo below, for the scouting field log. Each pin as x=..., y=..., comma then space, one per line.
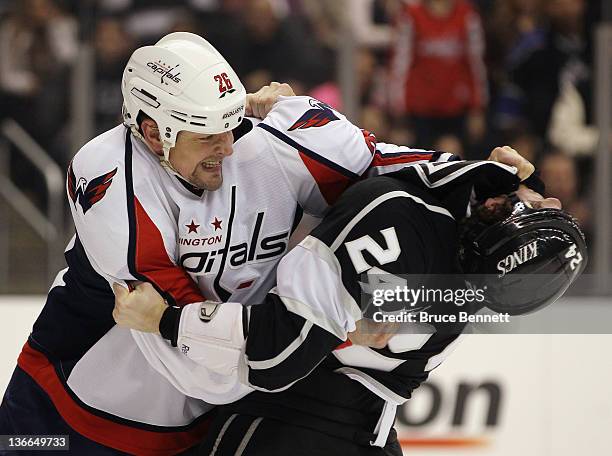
x=318, y=283
x=392, y=224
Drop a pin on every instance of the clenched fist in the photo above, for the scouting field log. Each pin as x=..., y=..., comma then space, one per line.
x=371, y=334
x=140, y=309
x=260, y=103
x=508, y=156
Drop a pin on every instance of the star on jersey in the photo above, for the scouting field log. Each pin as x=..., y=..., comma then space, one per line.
x=192, y=227
x=216, y=223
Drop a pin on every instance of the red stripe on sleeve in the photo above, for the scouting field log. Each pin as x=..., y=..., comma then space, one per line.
x=152, y=261
x=345, y=344
x=331, y=183
x=102, y=430
x=381, y=160
x=370, y=140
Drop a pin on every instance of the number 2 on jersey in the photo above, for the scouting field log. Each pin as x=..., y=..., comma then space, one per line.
x=366, y=243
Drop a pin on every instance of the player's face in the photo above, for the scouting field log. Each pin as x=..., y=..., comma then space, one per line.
x=199, y=158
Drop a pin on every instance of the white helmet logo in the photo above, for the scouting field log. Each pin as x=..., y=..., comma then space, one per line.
x=165, y=71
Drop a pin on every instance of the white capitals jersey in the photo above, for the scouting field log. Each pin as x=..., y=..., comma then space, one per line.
x=137, y=221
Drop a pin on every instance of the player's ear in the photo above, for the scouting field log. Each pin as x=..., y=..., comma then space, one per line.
x=150, y=132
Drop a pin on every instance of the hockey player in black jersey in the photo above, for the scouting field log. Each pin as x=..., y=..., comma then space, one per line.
x=331, y=398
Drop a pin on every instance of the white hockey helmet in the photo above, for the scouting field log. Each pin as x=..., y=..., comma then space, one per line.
x=182, y=83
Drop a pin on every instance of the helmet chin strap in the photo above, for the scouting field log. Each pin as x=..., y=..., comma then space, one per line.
x=164, y=160
x=166, y=148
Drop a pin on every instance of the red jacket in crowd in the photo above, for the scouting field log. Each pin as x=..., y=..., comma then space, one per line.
x=437, y=66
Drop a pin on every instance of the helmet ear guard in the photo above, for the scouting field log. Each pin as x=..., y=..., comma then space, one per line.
x=526, y=261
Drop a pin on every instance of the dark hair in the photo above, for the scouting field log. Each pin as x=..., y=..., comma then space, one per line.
x=483, y=217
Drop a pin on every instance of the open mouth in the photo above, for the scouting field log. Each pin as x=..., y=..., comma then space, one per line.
x=211, y=164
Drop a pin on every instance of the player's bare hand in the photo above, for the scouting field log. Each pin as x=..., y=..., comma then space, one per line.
x=508, y=156
x=260, y=103
x=372, y=334
x=140, y=309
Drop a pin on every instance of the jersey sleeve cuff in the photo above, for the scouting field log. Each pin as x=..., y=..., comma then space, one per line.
x=535, y=183
x=169, y=324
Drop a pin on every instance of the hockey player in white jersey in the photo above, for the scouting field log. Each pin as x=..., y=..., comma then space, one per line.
x=196, y=201
x=330, y=397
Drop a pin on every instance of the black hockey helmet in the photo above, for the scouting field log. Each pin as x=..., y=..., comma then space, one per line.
x=526, y=261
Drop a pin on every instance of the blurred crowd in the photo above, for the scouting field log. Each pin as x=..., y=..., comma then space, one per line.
x=453, y=75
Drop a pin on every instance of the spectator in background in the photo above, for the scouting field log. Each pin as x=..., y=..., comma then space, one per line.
x=277, y=48
x=514, y=30
x=450, y=144
x=559, y=173
x=529, y=145
x=327, y=19
x=563, y=55
x=367, y=21
x=37, y=44
x=369, y=80
x=186, y=22
x=147, y=20
x=571, y=125
x=438, y=77
x=368, y=32
x=371, y=86
x=221, y=25
x=369, y=24
x=4, y=7
x=113, y=47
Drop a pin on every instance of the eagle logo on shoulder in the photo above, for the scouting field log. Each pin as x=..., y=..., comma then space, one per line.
x=319, y=116
x=88, y=194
